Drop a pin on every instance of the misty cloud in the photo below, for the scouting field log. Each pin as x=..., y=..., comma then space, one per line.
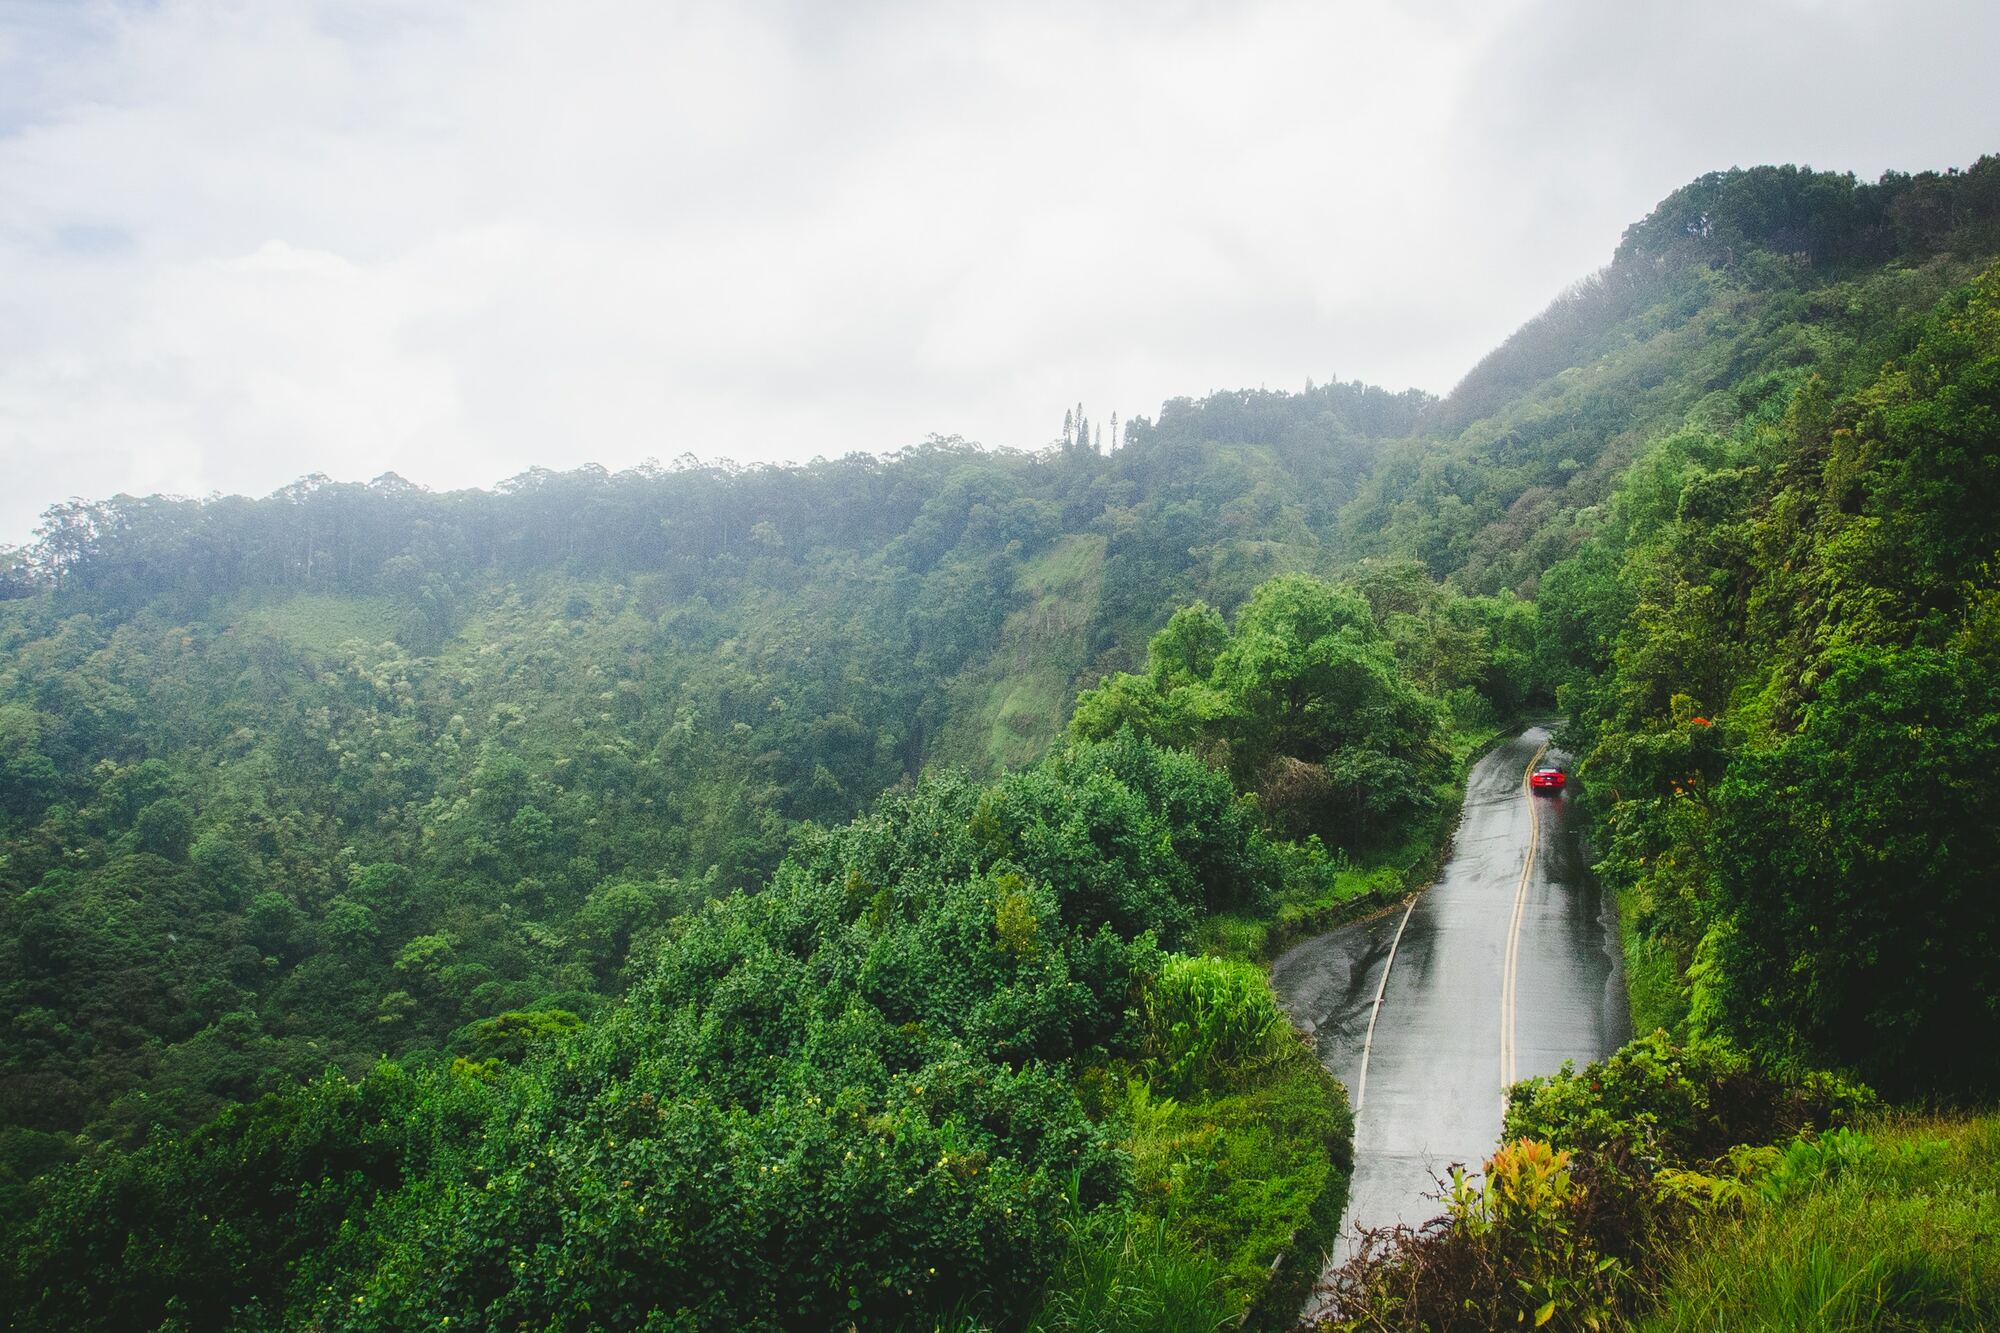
x=243, y=242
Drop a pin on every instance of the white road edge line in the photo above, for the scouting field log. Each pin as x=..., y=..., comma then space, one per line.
x=1368, y=1042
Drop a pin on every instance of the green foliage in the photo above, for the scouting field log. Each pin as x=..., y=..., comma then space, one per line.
x=1894, y=1229
x=1014, y=920
x=847, y=1097
x=163, y=828
x=1829, y=952
x=1656, y=1103
x=1302, y=699
x=1775, y=670
x=232, y=1216
x=511, y=1036
x=1209, y=1020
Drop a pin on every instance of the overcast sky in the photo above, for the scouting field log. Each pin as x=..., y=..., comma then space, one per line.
x=241, y=242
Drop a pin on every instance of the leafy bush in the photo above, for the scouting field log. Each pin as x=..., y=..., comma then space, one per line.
x=1664, y=1105
x=1508, y=1251
x=1210, y=1021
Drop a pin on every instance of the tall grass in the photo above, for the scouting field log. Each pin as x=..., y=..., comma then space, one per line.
x=1211, y=1023
x=1904, y=1235
x=1126, y=1274
x=1653, y=976
x=1251, y=1179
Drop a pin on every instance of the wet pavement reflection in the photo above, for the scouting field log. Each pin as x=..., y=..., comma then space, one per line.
x=1442, y=1041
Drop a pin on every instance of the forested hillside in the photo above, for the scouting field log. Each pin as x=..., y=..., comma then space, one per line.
x=852, y=1095
x=627, y=884
x=1773, y=635
x=1784, y=637
x=945, y=1064
x=1734, y=284
x=308, y=779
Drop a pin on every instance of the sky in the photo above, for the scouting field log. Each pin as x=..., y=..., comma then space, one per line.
x=245, y=242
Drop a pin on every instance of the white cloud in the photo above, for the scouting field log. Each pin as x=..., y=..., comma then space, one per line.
x=240, y=242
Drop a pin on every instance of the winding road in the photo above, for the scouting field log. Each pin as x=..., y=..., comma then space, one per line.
x=1505, y=967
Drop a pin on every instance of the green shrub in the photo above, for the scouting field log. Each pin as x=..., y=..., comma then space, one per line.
x=1668, y=1105
x=1210, y=1021
x=1607, y=1172
x=1513, y=1249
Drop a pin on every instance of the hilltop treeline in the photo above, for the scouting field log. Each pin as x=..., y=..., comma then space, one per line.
x=696, y=521
x=1764, y=271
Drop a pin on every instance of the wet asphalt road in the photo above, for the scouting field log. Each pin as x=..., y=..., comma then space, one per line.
x=1451, y=1028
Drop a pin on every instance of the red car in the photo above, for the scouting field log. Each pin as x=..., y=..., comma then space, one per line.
x=1547, y=779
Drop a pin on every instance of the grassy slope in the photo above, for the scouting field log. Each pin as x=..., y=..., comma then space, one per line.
x=1007, y=708
x=317, y=622
x=1900, y=1231
x=1246, y=1184
x=1653, y=985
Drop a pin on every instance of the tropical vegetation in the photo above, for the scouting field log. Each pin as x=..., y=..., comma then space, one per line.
x=833, y=894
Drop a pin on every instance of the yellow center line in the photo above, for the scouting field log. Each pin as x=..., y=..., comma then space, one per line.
x=1511, y=964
